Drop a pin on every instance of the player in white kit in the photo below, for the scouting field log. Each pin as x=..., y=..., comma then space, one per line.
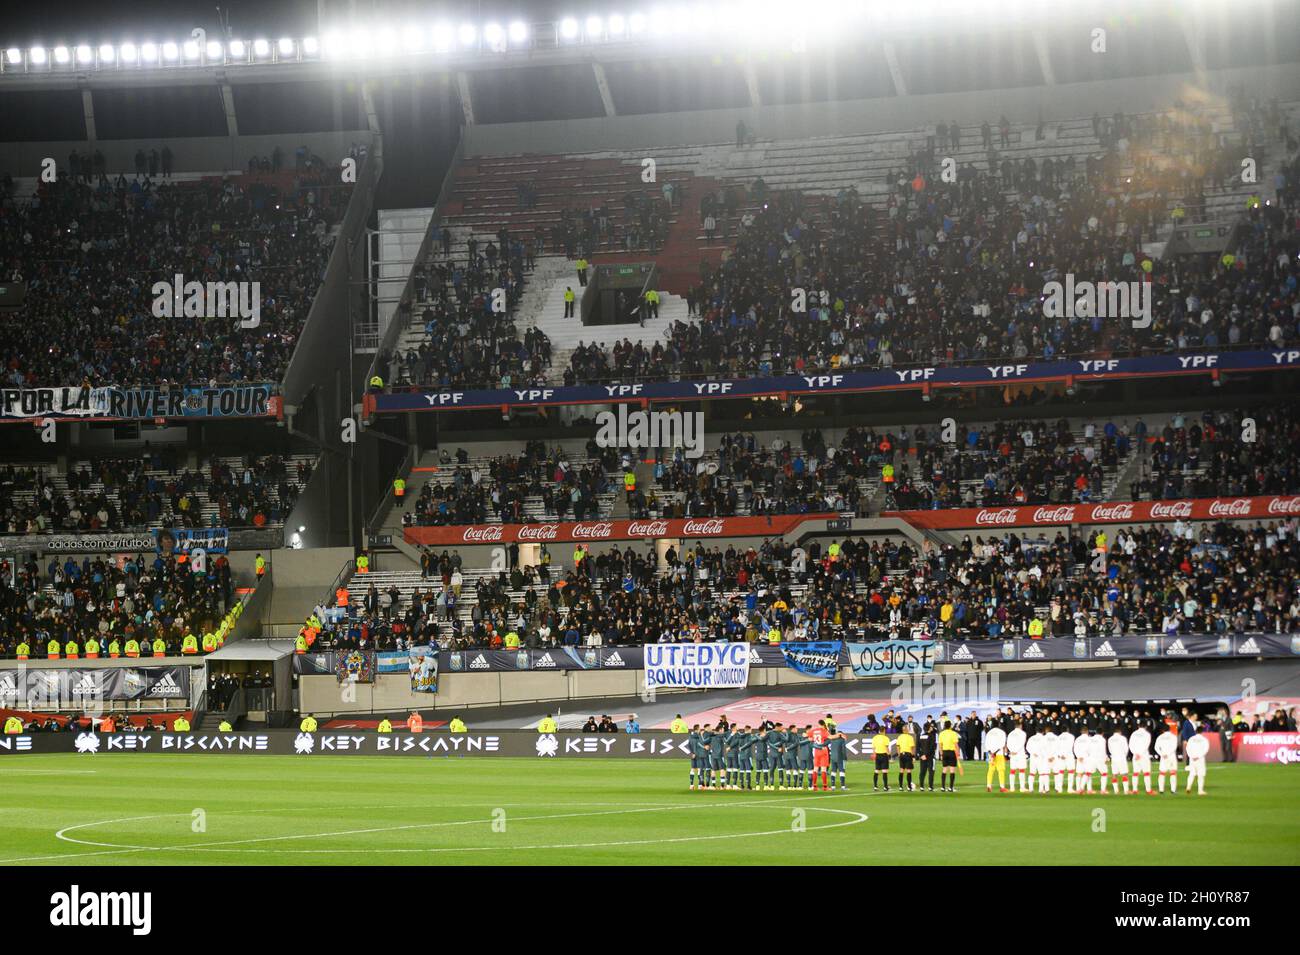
x=1065, y=761
x=1017, y=757
x=1196, y=748
x=1117, y=746
x=1139, y=747
x=1049, y=761
x=1082, y=762
x=1034, y=747
x=1167, y=750
x=1097, y=760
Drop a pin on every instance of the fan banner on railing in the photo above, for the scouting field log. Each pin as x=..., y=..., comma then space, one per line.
x=422, y=662
x=814, y=658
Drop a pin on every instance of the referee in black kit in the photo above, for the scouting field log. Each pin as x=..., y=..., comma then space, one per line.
x=927, y=746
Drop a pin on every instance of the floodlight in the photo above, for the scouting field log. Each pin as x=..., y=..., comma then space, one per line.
x=37, y=55
x=170, y=51
x=129, y=53
x=238, y=49
x=443, y=37
x=106, y=53
x=261, y=48
x=595, y=26
x=467, y=34
x=568, y=28
x=213, y=50
x=149, y=52
x=286, y=46
x=191, y=49
x=493, y=36
x=518, y=31
x=617, y=24
x=61, y=54
x=14, y=55
x=85, y=54
x=310, y=46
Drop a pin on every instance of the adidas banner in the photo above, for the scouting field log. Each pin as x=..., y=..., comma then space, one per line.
x=78, y=688
x=892, y=656
x=696, y=666
x=814, y=658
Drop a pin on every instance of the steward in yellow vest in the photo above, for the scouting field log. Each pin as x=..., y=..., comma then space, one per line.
x=70, y=650
x=132, y=648
x=308, y=724
x=457, y=725
x=679, y=725
x=181, y=725
x=159, y=647
x=114, y=649
x=399, y=487
x=23, y=650
x=512, y=641
x=52, y=650
x=92, y=649
x=13, y=725
x=385, y=726
x=300, y=644
x=209, y=642
x=190, y=644
x=225, y=727
x=547, y=724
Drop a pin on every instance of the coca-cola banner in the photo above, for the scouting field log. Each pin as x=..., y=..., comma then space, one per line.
x=1110, y=512
x=583, y=531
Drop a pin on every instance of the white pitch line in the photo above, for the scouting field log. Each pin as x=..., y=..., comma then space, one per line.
x=117, y=849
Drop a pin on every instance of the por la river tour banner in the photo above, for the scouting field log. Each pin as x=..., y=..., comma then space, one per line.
x=33, y=686
x=696, y=665
x=652, y=744
x=892, y=656
x=814, y=658
x=140, y=403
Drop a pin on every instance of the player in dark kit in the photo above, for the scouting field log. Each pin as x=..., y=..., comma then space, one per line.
x=804, y=758
x=758, y=757
x=699, y=756
x=745, y=751
x=717, y=757
x=838, y=746
x=733, y=759
x=927, y=746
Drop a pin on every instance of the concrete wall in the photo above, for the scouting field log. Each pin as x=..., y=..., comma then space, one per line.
x=1025, y=104
x=195, y=154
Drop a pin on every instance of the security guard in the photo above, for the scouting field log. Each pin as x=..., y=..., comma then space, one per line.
x=308, y=724
x=190, y=645
x=209, y=642
x=181, y=725
x=259, y=564
x=376, y=383
x=774, y=636
x=512, y=640
x=926, y=750
x=114, y=649
x=132, y=647
x=547, y=725
x=225, y=727
x=568, y=301
x=949, y=759
x=363, y=564
x=415, y=722
x=71, y=650
x=52, y=649
x=679, y=725
x=341, y=597
x=23, y=650
x=300, y=643
x=457, y=725
x=92, y=649
x=1036, y=628
x=887, y=474
x=385, y=725
x=13, y=725
x=629, y=482
x=159, y=647
x=582, y=271
x=652, y=303
x=399, y=488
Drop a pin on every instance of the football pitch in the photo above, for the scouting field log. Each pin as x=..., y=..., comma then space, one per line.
x=271, y=810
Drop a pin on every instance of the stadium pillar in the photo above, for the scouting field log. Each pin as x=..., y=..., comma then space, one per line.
x=602, y=84
x=466, y=100
x=228, y=104
x=88, y=109
x=751, y=81
x=891, y=58
x=1044, y=58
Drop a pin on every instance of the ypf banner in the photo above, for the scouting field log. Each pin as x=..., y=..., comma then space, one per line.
x=697, y=665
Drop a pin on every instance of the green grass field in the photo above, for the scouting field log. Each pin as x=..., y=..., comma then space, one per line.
x=260, y=810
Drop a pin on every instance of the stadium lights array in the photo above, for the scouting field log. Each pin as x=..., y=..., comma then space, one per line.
x=757, y=22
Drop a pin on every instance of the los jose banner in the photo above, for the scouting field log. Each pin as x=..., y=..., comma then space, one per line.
x=892, y=656
x=696, y=665
x=145, y=402
x=1131, y=512
x=1104, y=369
x=652, y=744
x=582, y=531
x=29, y=687
x=814, y=658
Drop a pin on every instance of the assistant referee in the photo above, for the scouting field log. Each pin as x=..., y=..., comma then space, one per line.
x=948, y=758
